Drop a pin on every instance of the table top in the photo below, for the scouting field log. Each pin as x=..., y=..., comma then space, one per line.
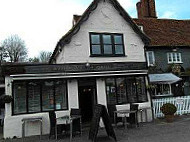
x=37, y=118
x=125, y=111
x=72, y=117
x=67, y=119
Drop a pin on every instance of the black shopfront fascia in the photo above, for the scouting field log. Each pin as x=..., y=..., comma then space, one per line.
x=41, y=110
x=134, y=76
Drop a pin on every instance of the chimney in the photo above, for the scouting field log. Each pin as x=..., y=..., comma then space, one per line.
x=146, y=9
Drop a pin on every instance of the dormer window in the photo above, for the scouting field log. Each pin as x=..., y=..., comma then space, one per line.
x=106, y=44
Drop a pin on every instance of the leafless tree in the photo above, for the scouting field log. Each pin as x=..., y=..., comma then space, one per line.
x=3, y=54
x=34, y=60
x=44, y=56
x=15, y=48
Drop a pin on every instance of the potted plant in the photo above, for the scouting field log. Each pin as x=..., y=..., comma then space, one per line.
x=6, y=99
x=169, y=110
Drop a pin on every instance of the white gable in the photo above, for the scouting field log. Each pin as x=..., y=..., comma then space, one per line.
x=104, y=19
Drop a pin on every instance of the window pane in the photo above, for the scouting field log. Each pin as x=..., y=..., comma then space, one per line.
x=141, y=91
x=107, y=39
x=169, y=57
x=95, y=39
x=150, y=58
x=19, y=97
x=131, y=89
x=60, y=95
x=47, y=96
x=174, y=57
x=111, y=91
x=33, y=97
x=108, y=49
x=96, y=49
x=178, y=57
x=121, y=90
x=118, y=49
x=118, y=39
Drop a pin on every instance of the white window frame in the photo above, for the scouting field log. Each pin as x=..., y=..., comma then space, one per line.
x=153, y=58
x=174, y=57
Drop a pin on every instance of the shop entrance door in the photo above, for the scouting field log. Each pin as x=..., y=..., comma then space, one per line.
x=87, y=98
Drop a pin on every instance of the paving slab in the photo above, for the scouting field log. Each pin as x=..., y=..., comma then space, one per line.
x=157, y=131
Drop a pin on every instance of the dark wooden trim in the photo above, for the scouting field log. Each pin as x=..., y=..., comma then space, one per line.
x=73, y=68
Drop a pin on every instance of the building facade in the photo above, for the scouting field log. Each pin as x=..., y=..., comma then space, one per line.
x=101, y=60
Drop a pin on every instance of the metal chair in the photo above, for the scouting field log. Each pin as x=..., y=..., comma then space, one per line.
x=132, y=117
x=125, y=115
x=54, y=128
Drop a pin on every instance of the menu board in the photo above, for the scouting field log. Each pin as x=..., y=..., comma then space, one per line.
x=100, y=111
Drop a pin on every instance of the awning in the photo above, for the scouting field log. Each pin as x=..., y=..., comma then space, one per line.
x=165, y=78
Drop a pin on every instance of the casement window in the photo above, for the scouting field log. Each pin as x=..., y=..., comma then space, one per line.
x=106, y=44
x=39, y=96
x=174, y=57
x=126, y=90
x=150, y=58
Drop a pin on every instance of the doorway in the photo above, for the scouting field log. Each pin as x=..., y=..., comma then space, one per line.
x=87, y=98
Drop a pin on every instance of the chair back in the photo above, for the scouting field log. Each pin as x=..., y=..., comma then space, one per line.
x=52, y=117
x=75, y=111
x=123, y=107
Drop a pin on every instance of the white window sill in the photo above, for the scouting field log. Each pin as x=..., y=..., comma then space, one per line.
x=175, y=63
x=151, y=65
x=163, y=95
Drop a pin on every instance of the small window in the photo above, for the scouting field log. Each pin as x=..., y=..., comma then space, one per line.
x=174, y=57
x=150, y=58
x=106, y=44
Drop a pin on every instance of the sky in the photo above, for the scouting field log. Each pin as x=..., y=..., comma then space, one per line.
x=41, y=23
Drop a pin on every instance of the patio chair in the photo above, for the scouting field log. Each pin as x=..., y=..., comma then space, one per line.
x=125, y=115
x=76, y=122
x=53, y=124
x=132, y=116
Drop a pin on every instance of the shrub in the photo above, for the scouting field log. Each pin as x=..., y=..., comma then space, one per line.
x=168, y=109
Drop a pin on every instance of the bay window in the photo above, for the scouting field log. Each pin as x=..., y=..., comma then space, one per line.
x=39, y=96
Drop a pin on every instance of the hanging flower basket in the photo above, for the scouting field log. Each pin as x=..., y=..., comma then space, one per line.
x=6, y=99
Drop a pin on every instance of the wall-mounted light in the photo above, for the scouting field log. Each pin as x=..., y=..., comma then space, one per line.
x=174, y=49
x=87, y=64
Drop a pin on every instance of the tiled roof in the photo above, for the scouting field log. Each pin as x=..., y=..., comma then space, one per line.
x=166, y=32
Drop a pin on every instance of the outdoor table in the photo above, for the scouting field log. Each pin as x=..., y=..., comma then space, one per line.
x=31, y=119
x=68, y=120
x=125, y=112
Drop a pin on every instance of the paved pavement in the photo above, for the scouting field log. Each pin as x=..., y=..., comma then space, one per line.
x=158, y=131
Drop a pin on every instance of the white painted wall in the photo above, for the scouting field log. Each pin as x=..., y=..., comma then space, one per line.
x=13, y=124
x=78, y=50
